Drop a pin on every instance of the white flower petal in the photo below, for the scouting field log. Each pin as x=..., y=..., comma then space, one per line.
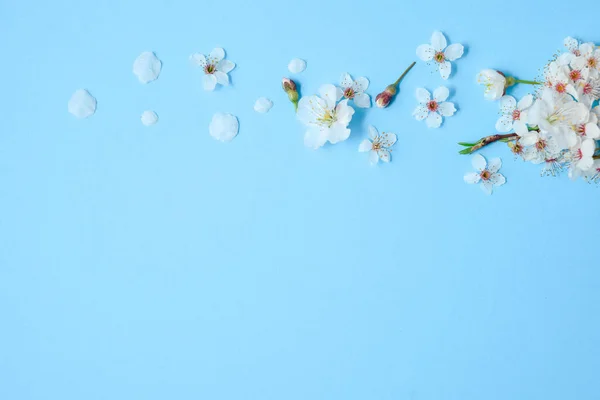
x=306, y=109
x=262, y=105
x=571, y=43
x=387, y=139
x=346, y=80
x=425, y=52
x=472, y=177
x=438, y=41
x=497, y=179
x=421, y=112
x=423, y=95
x=487, y=187
x=331, y=94
x=445, y=69
x=338, y=133
x=365, y=145
x=592, y=131
x=454, y=51
x=360, y=84
x=494, y=165
x=198, y=60
x=149, y=118
x=222, y=78
x=362, y=100
x=525, y=102
x=344, y=112
x=82, y=104
x=434, y=120
x=384, y=155
x=373, y=157
x=225, y=66
x=441, y=94
x=504, y=123
x=216, y=55
x=223, y=127
x=296, y=66
x=209, y=81
x=520, y=127
x=507, y=104
x=315, y=138
x=147, y=67
x=373, y=133
x=478, y=162
x=446, y=109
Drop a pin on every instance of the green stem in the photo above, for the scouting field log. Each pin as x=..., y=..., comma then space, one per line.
x=527, y=82
x=404, y=73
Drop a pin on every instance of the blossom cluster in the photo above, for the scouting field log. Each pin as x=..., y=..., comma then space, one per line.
x=557, y=125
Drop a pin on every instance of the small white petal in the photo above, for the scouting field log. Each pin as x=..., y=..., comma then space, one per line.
x=441, y=94
x=494, y=165
x=384, y=155
x=525, y=102
x=425, y=52
x=147, y=67
x=507, y=104
x=388, y=139
x=315, y=138
x=438, y=41
x=454, y=51
x=297, y=65
x=198, y=60
x=478, y=162
x=445, y=69
x=223, y=127
x=361, y=84
x=497, y=179
x=487, y=187
x=362, y=100
x=209, y=82
x=373, y=157
x=365, y=145
x=263, y=105
x=225, y=66
x=338, y=133
x=216, y=55
x=472, y=177
x=504, y=123
x=346, y=80
x=82, y=104
x=149, y=118
x=446, y=109
x=434, y=120
x=423, y=95
x=331, y=94
x=222, y=78
x=421, y=112
x=373, y=133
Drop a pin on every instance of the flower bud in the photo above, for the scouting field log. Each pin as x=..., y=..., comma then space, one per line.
x=383, y=99
x=288, y=85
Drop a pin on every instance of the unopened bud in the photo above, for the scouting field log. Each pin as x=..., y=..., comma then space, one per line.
x=384, y=98
x=288, y=85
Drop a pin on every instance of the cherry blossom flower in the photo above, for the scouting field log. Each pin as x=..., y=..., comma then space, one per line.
x=486, y=173
x=432, y=110
x=215, y=68
x=378, y=146
x=494, y=82
x=326, y=116
x=513, y=112
x=588, y=60
x=440, y=53
x=355, y=90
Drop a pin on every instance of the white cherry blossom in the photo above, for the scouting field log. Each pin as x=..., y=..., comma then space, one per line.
x=513, y=112
x=494, y=83
x=378, y=146
x=433, y=109
x=355, y=90
x=486, y=173
x=215, y=68
x=440, y=53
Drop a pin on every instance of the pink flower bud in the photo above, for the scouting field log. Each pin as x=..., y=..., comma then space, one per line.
x=383, y=99
x=288, y=85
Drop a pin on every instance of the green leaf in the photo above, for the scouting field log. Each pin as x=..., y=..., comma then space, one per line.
x=466, y=144
x=466, y=151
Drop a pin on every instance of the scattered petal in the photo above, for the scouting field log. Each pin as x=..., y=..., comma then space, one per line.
x=223, y=127
x=149, y=118
x=82, y=104
x=263, y=105
x=147, y=67
x=297, y=65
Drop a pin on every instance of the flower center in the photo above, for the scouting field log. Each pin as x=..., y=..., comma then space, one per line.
x=579, y=154
x=577, y=52
x=575, y=75
x=439, y=57
x=540, y=144
x=516, y=115
x=328, y=118
x=516, y=148
x=587, y=89
x=432, y=105
x=580, y=129
x=210, y=69
x=349, y=93
x=485, y=175
x=560, y=87
x=592, y=62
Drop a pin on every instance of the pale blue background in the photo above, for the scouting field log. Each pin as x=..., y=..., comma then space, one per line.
x=158, y=263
